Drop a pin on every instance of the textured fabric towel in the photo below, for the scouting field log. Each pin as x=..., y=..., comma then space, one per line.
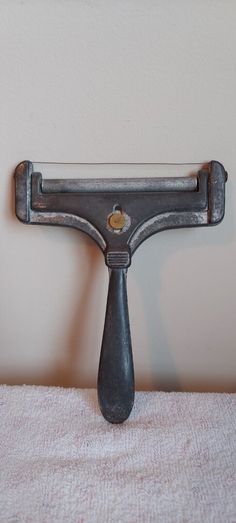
x=174, y=460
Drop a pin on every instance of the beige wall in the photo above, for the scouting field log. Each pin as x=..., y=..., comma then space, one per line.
x=141, y=81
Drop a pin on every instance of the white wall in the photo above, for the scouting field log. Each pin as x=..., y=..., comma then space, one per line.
x=107, y=81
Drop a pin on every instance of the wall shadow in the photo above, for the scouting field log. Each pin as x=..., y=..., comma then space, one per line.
x=65, y=371
x=149, y=281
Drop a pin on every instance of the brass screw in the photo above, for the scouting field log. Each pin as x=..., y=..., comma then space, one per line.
x=117, y=220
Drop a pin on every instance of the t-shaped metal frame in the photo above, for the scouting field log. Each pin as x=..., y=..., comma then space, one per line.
x=119, y=214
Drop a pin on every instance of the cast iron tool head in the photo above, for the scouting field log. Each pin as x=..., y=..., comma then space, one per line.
x=119, y=214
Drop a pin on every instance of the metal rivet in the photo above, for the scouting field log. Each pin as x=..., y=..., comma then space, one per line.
x=117, y=220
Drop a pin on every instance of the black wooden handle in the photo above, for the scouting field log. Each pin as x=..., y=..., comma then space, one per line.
x=116, y=372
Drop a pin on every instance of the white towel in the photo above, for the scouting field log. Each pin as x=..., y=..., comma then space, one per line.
x=173, y=460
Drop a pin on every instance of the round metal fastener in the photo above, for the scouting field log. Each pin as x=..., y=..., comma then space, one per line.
x=117, y=220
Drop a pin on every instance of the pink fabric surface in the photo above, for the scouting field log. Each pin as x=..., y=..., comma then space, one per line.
x=174, y=460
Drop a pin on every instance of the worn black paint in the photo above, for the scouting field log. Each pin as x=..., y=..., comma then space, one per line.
x=150, y=205
x=116, y=373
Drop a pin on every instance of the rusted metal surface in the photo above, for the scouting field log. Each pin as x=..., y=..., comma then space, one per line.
x=119, y=214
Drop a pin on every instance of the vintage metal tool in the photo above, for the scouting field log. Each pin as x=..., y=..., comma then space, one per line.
x=119, y=214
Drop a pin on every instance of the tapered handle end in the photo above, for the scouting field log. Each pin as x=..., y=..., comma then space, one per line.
x=116, y=372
